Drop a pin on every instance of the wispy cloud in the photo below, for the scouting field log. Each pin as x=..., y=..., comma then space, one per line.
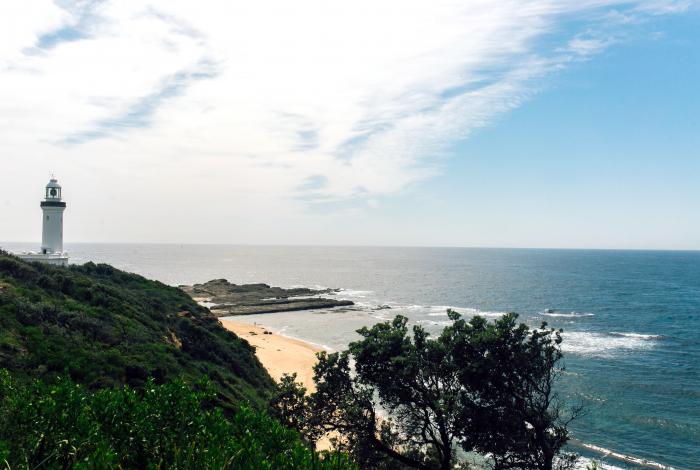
x=139, y=114
x=79, y=18
x=312, y=100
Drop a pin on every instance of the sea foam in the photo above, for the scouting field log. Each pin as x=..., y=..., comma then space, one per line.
x=567, y=315
x=629, y=459
x=635, y=335
x=584, y=463
x=586, y=343
x=441, y=311
x=352, y=293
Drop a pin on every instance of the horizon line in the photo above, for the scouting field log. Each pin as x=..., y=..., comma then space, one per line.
x=309, y=245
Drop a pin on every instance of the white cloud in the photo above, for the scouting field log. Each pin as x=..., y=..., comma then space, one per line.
x=587, y=46
x=248, y=107
x=21, y=22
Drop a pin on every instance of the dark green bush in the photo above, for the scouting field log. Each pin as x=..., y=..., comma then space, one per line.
x=174, y=426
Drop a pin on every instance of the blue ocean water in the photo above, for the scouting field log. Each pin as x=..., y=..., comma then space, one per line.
x=631, y=319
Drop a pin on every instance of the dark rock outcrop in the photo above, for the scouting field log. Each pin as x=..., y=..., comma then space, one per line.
x=226, y=299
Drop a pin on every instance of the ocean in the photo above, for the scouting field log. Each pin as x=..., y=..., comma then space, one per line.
x=631, y=319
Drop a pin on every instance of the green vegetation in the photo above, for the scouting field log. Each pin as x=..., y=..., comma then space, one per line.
x=104, y=369
x=168, y=426
x=104, y=328
x=478, y=387
x=94, y=371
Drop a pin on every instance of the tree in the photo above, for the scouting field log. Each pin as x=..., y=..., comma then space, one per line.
x=517, y=416
x=290, y=405
x=414, y=400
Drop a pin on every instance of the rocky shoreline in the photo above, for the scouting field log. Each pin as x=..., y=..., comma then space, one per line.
x=226, y=299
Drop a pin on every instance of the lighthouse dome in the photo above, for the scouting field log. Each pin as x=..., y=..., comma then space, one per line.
x=53, y=183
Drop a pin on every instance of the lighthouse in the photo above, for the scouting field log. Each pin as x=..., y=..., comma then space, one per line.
x=52, y=221
x=52, y=208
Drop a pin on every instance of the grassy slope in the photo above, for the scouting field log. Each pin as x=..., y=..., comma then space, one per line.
x=107, y=327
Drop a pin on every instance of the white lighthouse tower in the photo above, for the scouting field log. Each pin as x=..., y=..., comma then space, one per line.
x=52, y=208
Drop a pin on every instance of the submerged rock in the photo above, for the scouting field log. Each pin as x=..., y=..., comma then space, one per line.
x=382, y=307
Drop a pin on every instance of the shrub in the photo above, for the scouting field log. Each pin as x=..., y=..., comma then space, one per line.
x=176, y=426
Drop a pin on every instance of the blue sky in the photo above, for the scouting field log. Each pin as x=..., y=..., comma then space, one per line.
x=532, y=123
x=607, y=155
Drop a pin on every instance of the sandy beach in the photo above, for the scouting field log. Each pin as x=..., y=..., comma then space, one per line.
x=278, y=354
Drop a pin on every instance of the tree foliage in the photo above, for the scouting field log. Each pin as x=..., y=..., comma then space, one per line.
x=174, y=426
x=413, y=401
x=106, y=327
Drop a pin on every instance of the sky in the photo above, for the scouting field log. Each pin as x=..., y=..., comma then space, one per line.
x=529, y=123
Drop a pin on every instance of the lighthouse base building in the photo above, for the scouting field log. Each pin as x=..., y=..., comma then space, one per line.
x=60, y=259
x=52, y=208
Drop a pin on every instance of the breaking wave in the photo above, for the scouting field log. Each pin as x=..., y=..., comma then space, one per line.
x=635, y=335
x=353, y=293
x=607, y=453
x=472, y=312
x=605, y=344
x=567, y=315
